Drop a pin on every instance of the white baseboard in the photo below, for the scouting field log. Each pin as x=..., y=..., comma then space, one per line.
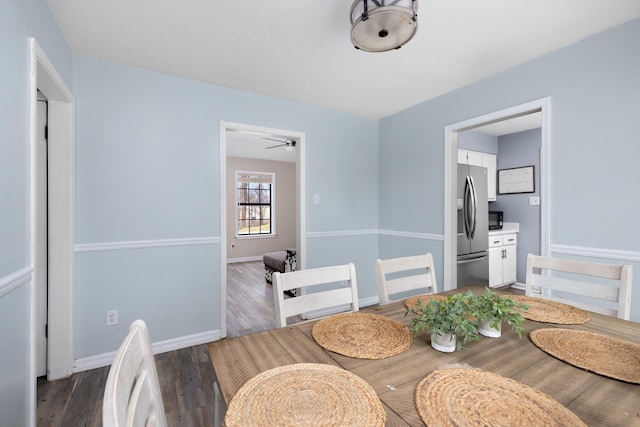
x=364, y=302
x=244, y=259
x=520, y=286
x=105, y=359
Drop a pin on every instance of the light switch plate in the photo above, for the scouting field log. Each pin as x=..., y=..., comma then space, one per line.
x=316, y=199
x=534, y=201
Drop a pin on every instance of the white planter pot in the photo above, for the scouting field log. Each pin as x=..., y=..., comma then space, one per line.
x=485, y=329
x=444, y=342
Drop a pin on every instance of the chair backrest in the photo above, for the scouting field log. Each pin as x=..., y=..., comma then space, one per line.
x=420, y=271
x=565, y=283
x=323, y=299
x=132, y=395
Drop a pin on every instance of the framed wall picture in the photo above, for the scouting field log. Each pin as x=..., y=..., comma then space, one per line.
x=516, y=180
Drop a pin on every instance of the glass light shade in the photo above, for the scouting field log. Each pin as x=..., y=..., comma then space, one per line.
x=386, y=25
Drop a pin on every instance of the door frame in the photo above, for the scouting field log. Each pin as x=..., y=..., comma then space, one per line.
x=450, y=177
x=61, y=208
x=301, y=239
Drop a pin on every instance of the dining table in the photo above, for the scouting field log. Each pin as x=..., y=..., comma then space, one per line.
x=596, y=399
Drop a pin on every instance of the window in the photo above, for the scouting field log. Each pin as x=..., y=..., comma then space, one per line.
x=254, y=195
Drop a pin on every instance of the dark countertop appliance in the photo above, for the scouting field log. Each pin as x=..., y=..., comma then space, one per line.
x=496, y=219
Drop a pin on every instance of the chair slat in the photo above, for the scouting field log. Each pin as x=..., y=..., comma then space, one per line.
x=306, y=301
x=132, y=395
x=419, y=275
x=601, y=292
x=540, y=272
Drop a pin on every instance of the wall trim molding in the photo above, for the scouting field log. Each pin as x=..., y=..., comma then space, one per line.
x=343, y=233
x=105, y=359
x=13, y=280
x=412, y=235
x=373, y=232
x=244, y=259
x=145, y=244
x=610, y=254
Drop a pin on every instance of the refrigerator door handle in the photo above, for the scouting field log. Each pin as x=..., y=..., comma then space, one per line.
x=469, y=261
x=466, y=207
x=474, y=208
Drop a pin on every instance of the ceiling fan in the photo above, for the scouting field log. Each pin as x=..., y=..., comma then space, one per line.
x=289, y=144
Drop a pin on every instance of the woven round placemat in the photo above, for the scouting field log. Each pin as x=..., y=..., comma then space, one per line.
x=305, y=394
x=593, y=352
x=362, y=335
x=424, y=299
x=472, y=397
x=546, y=311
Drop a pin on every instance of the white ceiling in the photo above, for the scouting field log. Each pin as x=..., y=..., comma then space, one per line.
x=254, y=145
x=512, y=125
x=300, y=50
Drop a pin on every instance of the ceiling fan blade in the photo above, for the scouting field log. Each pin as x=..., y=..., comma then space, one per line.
x=277, y=140
x=274, y=146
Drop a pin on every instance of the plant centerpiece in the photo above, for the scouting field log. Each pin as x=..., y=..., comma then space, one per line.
x=446, y=320
x=491, y=310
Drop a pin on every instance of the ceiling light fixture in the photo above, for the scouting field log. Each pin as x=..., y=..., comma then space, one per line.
x=381, y=25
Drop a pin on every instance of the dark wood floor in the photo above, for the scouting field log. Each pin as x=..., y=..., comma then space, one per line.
x=187, y=376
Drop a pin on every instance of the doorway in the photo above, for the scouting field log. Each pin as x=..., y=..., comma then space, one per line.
x=58, y=269
x=41, y=265
x=245, y=134
x=450, y=205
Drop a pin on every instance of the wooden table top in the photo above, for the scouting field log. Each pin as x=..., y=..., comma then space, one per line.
x=595, y=399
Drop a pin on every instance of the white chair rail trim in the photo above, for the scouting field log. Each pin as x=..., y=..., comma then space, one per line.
x=341, y=233
x=105, y=359
x=412, y=235
x=160, y=243
x=610, y=254
x=12, y=281
x=381, y=232
x=145, y=244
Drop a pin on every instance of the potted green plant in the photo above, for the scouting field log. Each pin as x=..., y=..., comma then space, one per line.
x=446, y=320
x=491, y=310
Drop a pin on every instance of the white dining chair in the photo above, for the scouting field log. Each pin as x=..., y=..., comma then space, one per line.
x=400, y=275
x=313, y=296
x=581, y=284
x=132, y=395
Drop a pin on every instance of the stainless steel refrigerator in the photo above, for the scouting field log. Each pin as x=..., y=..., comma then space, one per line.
x=473, y=226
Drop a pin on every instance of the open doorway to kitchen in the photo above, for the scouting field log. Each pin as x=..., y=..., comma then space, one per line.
x=247, y=153
x=452, y=133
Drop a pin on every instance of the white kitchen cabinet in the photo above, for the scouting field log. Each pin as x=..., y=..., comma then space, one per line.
x=502, y=259
x=487, y=160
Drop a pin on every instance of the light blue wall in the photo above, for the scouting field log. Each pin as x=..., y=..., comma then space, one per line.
x=516, y=150
x=147, y=156
x=15, y=360
x=478, y=141
x=19, y=20
x=594, y=86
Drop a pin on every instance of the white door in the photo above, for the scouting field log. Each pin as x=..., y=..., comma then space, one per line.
x=495, y=267
x=509, y=270
x=41, y=263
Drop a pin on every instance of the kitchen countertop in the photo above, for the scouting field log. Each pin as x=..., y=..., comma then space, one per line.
x=507, y=228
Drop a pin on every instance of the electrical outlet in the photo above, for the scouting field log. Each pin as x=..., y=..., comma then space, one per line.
x=112, y=317
x=534, y=201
